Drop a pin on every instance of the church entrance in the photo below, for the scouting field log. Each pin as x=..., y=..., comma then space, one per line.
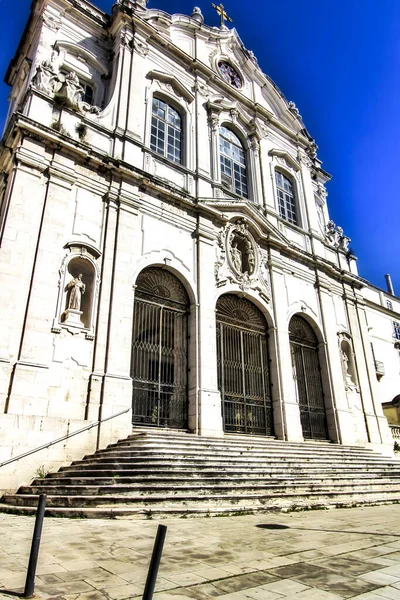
x=159, y=350
x=307, y=375
x=243, y=367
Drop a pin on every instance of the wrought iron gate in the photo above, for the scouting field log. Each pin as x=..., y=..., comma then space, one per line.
x=243, y=373
x=159, y=350
x=307, y=375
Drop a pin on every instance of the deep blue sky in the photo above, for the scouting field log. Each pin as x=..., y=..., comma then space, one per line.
x=339, y=61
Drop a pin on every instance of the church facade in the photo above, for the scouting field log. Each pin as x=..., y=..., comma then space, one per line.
x=167, y=257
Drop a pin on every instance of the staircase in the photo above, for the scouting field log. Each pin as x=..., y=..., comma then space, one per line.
x=176, y=474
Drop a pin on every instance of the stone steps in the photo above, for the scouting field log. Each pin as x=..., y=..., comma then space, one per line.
x=250, y=488
x=174, y=497
x=195, y=480
x=167, y=473
x=222, y=456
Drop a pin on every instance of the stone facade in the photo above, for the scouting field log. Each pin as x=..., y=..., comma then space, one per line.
x=92, y=194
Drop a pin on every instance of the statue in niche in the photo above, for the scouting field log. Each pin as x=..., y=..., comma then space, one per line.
x=345, y=366
x=345, y=360
x=251, y=259
x=236, y=258
x=77, y=288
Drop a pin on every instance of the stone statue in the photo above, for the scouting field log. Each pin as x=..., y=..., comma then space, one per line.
x=345, y=365
x=345, y=360
x=236, y=258
x=77, y=288
x=251, y=259
x=71, y=88
x=46, y=76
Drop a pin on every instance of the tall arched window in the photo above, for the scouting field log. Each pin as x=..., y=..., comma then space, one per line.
x=166, y=131
x=233, y=162
x=286, y=198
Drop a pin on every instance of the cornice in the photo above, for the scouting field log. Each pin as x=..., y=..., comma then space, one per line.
x=382, y=309
x=173, y=81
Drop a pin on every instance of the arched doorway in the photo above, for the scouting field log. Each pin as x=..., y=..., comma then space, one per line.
x=243, y=367
x=159, y=350
x=307, y=375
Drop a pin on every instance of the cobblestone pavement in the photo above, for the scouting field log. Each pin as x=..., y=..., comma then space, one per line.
x=315, y=555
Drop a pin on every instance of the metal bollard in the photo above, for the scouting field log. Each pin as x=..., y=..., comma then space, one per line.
x=155, y=563
x=37, y=532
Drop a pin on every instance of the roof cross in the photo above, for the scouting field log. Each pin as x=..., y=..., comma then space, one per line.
x=221, y=11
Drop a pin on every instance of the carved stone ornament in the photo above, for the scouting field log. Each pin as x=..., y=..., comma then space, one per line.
x=240, y=260
x=141, y=48
x=335, y=236
x=65, y=88
x=294, y=110
x=197, y=15
x=46, y=76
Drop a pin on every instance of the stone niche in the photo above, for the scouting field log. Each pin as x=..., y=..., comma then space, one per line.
x=347, y=359
x=78, y=290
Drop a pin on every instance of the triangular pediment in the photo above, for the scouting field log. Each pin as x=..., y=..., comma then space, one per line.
x=263, y=228
x=171, y=80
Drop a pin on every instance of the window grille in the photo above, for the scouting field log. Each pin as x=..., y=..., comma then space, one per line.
x=396, y=330
x=166, y=131
x=286, y=198
x=233, y=162
x=389, y=305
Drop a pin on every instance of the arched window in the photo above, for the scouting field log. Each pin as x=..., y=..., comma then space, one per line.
x=166, y=131
x=286, y=198
x=233, y=162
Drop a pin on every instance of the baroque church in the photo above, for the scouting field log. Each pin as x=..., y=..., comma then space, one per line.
x=167, y=259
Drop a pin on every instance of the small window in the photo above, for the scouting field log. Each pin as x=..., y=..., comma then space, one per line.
x=389, y=305
x=396, y=330
x=166, y=131
x=88, y=93
x=286, y=198
x=233, y=162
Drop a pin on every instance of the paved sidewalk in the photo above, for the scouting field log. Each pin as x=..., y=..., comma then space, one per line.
x=315, y=555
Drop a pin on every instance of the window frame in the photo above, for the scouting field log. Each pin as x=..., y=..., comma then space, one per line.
x=295, y=203
x=245, y=166
x=173, y=106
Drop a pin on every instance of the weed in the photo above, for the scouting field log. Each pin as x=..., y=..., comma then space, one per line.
x=56, y=125
x=81, y=129
x=41, y=472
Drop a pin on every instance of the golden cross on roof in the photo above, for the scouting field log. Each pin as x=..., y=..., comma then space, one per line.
x=221, y=11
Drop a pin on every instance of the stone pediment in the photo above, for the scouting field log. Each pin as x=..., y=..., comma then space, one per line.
x=263, y=228
x=285, y=158
x=171, y=80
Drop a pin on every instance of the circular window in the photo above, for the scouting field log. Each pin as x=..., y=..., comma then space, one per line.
x=230, y=74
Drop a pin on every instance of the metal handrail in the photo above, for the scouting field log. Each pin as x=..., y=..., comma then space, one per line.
x=61, y=439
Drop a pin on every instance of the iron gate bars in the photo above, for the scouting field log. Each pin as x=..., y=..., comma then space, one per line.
x=243, y=375
x=159, y=352
x=307, y=375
